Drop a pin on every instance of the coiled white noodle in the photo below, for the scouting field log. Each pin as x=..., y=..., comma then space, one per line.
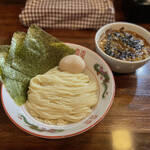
x=61, y=98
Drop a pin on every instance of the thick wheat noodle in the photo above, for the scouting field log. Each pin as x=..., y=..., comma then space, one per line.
x=61, y=98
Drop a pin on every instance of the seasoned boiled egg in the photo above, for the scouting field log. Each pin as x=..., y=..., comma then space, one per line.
x=72, y=63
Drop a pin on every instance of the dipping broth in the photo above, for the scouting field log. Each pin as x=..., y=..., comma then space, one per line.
x=124, y=45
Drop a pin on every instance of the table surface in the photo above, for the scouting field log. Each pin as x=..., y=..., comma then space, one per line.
x=128, y=121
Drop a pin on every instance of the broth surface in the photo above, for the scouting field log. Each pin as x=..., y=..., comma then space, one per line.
x=124, y=45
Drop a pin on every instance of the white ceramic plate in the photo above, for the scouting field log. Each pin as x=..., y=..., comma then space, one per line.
x=99, y=71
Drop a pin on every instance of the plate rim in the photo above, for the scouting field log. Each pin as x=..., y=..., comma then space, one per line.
x=69, y=135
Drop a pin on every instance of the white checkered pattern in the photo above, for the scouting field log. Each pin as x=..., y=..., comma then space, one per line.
x=68, y=14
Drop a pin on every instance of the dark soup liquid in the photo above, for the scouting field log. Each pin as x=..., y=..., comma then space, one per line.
x=124, y=45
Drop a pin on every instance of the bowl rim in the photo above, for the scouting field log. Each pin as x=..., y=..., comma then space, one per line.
x=112, y=58
x=69, y=135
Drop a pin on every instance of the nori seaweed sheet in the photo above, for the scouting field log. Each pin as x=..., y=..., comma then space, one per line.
x=29, y=55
